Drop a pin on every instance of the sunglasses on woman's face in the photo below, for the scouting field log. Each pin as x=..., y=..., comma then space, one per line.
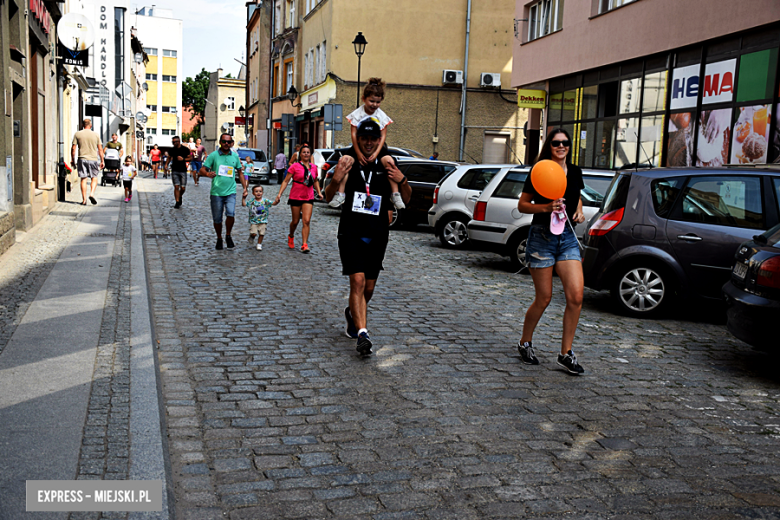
x=556, y=143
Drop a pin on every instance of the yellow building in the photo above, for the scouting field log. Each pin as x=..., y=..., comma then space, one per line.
x=420, y=50
x=223, y=101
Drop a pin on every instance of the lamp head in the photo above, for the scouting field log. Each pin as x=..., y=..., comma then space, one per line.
x=360, y=44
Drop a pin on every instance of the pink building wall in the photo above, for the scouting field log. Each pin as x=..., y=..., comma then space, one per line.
x=638, y=29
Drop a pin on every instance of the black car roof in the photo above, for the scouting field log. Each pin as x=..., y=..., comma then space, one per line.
x=656, y=173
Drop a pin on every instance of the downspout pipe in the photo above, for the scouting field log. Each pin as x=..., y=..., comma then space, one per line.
x=465, y=85
x=269, y=110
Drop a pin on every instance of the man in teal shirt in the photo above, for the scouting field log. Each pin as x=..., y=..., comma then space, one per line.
x=222, y=167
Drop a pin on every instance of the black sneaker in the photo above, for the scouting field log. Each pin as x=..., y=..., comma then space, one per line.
x=364, y=344
x=177, y=205
x=219, y=244
x=229, y=242
x=569, y=362
x=527, y=353
x=351, y=331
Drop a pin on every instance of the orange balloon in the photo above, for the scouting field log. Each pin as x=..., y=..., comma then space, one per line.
x=548, y=179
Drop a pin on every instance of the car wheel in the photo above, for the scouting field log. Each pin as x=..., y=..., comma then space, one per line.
x=517, y=250
x=454, y=233
x=642, y=290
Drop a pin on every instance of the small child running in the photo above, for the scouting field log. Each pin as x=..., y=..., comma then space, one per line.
x=128, y=174
x=258, y=215
x=373, y=95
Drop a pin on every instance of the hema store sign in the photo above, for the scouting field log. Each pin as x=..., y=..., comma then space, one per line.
x=718, y=84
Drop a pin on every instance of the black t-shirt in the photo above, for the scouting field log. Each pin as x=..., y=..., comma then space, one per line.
x=359, y=224
x=177, y=165
x=574, y=185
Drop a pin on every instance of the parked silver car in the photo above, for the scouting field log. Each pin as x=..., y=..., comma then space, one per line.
x=499, y=226
x=261, y=170
x=454, y=199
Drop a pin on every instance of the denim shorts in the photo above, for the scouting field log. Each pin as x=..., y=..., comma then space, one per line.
x=220, y=204
x=545, y=249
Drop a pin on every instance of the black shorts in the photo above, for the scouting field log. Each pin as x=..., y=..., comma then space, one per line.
x=127, y=184
x=298, y=203
x=360, y=257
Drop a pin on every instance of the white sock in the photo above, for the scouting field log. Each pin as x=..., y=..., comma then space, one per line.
x=361, y=331
x=341, y=193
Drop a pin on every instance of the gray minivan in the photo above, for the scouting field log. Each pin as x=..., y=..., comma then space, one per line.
x=673, y=232
x=261, y=170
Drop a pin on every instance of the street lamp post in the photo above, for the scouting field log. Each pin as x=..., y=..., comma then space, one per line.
x=360, y=47
x=242, y=112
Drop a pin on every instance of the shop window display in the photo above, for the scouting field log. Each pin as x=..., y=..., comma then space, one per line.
x=626, y=140
x=750, y=137
x=712, y=146
x=680, y=144
x=650, y=138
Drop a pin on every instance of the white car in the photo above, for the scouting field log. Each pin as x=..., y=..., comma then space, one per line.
x=498, y=224
x=454, y=199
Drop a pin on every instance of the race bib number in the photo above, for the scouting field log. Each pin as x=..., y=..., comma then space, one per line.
x=225, y=171
x=366, y=204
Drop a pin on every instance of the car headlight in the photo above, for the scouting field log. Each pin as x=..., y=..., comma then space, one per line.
x=264, y=169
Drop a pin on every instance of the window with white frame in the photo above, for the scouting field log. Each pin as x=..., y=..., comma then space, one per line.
x=153, y=108
x=306, y=77
x=151, y=131
x=230, y=103
x=169, y=79
x=169, y=54
x=230, y=129
x=316, y=64
x=289, y=74
x=152, y=77
x=168, y=131
x=150, y=51
x=544, y=17
x=290, y=14
x=608, y=5
x=323, y=63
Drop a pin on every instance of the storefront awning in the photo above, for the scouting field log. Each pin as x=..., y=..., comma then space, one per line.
x=314, y=98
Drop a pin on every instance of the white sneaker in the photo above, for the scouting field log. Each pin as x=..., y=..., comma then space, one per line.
x=337, y=200
x=398, y=201
x=259, y=247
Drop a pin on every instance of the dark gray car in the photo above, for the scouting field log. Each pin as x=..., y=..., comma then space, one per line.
x=668, y=233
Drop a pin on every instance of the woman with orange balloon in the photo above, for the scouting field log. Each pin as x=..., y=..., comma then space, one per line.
x=552, y=194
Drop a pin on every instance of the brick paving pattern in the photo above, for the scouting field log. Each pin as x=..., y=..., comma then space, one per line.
x=272, y=415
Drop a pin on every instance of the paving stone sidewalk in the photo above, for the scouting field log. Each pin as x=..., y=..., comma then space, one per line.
x=271, y=414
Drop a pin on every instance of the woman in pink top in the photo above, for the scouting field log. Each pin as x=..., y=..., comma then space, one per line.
x=303, y=176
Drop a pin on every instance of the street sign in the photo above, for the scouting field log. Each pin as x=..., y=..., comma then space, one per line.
x=332, y=115
x=288, y=122
x=71, y=57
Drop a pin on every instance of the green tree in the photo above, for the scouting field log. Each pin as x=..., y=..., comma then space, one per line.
x=193, y=93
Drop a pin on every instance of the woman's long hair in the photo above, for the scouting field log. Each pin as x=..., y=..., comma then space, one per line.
x=546, y=151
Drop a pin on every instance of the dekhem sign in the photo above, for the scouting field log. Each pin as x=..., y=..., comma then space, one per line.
x=531, y=98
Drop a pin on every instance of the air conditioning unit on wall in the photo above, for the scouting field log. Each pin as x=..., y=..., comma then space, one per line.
x=452, y=77
x=489, y=79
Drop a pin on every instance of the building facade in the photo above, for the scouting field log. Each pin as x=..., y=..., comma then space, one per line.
x=692, y=83
x=223, y=101
x=257, y=45
x=162, y=39
x=425, y=53
x=29, y=148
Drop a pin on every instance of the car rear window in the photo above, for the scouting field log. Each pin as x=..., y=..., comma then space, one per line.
x=429, y=173
x=664, y=192
x=511, y=186
x=617, y=193
x=777, y=192
x=477, y=178
x=255, y=155
x=773, y=236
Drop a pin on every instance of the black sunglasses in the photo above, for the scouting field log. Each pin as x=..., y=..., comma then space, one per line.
x=556, y=143
x=227, y=142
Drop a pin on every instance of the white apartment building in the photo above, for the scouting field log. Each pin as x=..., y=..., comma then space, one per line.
x=161, y=35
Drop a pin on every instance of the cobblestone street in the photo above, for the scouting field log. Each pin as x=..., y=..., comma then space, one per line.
x=271, y=414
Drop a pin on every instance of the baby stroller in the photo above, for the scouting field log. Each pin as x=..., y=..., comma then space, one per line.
x=111, y=171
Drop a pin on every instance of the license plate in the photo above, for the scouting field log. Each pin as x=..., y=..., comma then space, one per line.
x=740, y=270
